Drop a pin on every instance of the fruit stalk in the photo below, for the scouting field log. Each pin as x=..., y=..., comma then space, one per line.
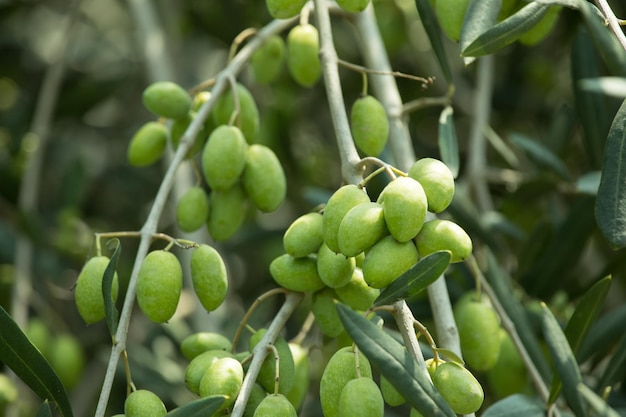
x=150, y=226
x=386, y=88
x=260, y=350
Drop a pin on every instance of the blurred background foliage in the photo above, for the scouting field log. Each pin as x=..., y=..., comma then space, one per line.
x=541, y=225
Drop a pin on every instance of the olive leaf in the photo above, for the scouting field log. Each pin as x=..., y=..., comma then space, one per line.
x=19, y=354
x=448, y=144
x=433, y=30
x=111, y=313
x=417, y=278
x=44, y=410
x=481, y=15
x=596, y=402
x=516, y=405
x=199, y=408
x=394, y=363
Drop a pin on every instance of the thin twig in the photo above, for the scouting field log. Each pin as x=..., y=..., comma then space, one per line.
x=359, y=68
x=614, y=22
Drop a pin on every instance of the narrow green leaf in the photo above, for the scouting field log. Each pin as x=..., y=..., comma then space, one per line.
x=395, y=363
x=44, y=410
x=541, y=154
x=19, y=354
x=516, y=405
x=433, y=30
x=611, y=199
x=612, y=52
x=481, y=16
x=604, y=334
x=448, y=144
x=614, y=370
x=600, y=406
x=588, y=183
x=507, y=31
x=112, y=315
x=580, y=322
x=611, y=86
x=564, y=360
x=198, y=408
x=501, y=285
x=417, y=278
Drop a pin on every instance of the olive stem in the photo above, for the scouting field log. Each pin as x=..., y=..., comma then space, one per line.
x=239, y=39
x=260, y=350
x=234, y=67
x=365, y=70
x=614, y=22
x=255, y=304
x=272, y=348
x=304, y=329
x=425, y=102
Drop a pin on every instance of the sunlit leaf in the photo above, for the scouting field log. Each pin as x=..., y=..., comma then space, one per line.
x=198, y=408
x=516, y=405
x=416, y=279
x=507, y=31
x=112, y=315
x=19, y=354
x=564, y=361
x=394, y=362
x=611, y=86
x=433, y=30
x=481, y=16
x=611, y=199
x=588, y=183
x=448, y=145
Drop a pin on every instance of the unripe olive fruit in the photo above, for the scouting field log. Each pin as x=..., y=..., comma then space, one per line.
x=286, y=365
x=263, y=178
x=353, y=6
x=144, y=403
x=199, y=365
x=325, y=312
x=479, y=334
x=178, y=129
x=334, y=269
x=248, y=117
x=369, y=125
x=390, y=394
x=436, y=180
x=39, y=335
x=508, y=376
x=147, y=145
x=340, y=369
x=197, y=343
x=336, y=208
x=542, y=28
x=257, y=395
x=167, y=99
x=209, y=277
x=159, y=285
x=361, y=397
x=404, y=208
x=192, y=210
x=458, y=387
x=297, y=393
x=360, y=228
x=387, y=260
x=88, y=292
x=275, y=405
x=284, y=9
x=267, y=61
x=304, y=236
x=451, y=14
x=303, y=59
x=224, y=157
x=356, y=293
x=224, y=377
x=227, y=213
x=296, y=274
x=67, y=358
x=439, y=235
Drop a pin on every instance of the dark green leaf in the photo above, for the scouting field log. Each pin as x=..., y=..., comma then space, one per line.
x=541, y=154
x=112, y=315
x=600, y=406
x=612, y=52
x=604, y=334
x=580, y=322
x=516, y=405
x=615, y=368
x=44, y=410
x=416, y=279
x=198, y=408
x=448, y=145
x=19, y=354
x=564, y=361
x=507, y=31
x=395, y=363
x=501, y=285
x=433, y=30
x=611, y=199
x=481, y=16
